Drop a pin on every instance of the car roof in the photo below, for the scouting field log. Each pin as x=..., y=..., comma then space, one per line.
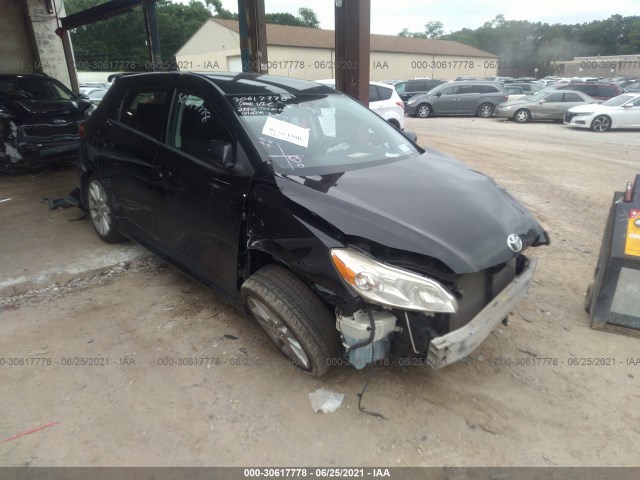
x=565, y=90
x=332, y=81
x=238, y=83
x=4, y=76
x=469, y=82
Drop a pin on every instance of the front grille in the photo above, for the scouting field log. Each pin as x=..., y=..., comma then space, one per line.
x=46, y=131
x=568, y=116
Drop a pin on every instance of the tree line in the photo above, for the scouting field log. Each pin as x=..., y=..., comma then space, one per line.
x=119, y=43
x=523, y=45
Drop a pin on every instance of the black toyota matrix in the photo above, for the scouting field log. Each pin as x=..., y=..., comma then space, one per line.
x=345, y=240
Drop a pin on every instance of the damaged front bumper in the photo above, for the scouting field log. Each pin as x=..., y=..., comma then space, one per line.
x=17, y=149
x=456, y=345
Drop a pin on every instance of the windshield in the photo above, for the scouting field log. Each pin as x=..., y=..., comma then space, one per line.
x=306, y=134
x=617, y=101
x=35, y=88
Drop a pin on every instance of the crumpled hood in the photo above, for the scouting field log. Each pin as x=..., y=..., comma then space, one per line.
x=33, y=108
x=431, y=205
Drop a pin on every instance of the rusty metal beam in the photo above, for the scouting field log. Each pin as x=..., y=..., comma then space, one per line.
x=353, y=48
x=253, y=36
x=98, y=13
x=153, y=39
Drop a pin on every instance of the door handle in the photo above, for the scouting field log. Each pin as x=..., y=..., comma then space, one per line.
x=162, y=172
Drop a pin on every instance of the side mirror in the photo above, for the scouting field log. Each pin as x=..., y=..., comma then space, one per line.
x=220, y=154
x=541, y=102
x=438, y=94
x=83, y=96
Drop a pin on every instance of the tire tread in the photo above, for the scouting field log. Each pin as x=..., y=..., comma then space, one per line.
x=301, y=309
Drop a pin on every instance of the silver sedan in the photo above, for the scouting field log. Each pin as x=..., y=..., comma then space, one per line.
x=543, y=105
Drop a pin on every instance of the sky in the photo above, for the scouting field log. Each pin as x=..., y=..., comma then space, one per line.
x=390, y=17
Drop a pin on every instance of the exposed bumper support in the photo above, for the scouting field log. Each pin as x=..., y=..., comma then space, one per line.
x=460, y=343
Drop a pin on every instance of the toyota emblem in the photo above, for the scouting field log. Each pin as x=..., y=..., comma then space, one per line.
x=514, y=242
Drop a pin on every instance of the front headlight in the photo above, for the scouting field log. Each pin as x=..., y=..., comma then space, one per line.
x=411, y=101
x=581, y=114
x=386, y=285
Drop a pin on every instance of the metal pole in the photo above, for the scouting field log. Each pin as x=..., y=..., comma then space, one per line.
x=151, y=29
x=352, y=48
x=253, y=36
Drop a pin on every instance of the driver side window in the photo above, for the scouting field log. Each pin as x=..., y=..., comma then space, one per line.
x=194, y=123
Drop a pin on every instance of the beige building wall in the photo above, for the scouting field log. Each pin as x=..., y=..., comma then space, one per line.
x=405, y=66
x=213, y=48
x=605, y=66
x=15, y=51
x=317, y=64
x=29, y=43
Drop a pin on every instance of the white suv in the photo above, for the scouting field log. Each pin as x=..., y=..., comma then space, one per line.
x=383, y=100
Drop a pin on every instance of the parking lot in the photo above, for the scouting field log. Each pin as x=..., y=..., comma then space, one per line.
x=522, y=399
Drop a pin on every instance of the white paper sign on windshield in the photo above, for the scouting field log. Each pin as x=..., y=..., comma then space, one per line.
x=286, y=131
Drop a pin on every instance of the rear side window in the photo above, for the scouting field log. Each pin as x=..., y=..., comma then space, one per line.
x=489, y=89
x=554, y=98
x=373, y=93
x=591, y=90
x=572, y=97
x=142, y=110
x=463, y=89
x=384, y=93
x=416, y=87
x=607, y=91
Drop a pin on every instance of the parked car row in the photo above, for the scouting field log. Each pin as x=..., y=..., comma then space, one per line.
x=574, y=103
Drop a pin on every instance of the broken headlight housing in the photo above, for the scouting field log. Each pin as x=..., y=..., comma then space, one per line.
x=386, y=285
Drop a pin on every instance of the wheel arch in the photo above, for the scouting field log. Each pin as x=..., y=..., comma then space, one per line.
x=300, y=242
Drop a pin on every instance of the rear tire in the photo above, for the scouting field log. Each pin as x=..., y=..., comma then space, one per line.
x=522, y=116
x=485, y=110
x=423, y=110
x=294, y=318
x=601, y=123
x=102, y=218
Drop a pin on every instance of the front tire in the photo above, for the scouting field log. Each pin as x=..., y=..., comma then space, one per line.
x=294, y=318
x=423, y=111
x=522, y=116
x=102, y=218
x=485, y=110
x=601, y=123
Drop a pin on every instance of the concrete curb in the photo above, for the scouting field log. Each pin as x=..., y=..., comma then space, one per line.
x=62, y=274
